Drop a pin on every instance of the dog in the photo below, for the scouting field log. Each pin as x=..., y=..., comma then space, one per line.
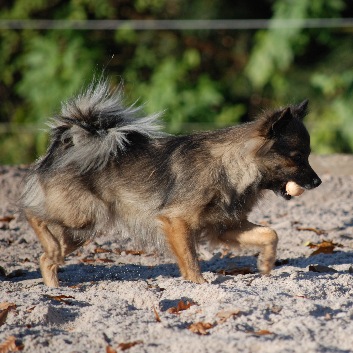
x=110, y=167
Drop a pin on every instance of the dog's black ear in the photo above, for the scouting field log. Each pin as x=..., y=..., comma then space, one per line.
x=276, y=122
x=301, y=110
x=273, y=125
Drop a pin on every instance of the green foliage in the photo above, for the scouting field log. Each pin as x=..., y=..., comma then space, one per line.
x=199, y=79
x=169, y=89
x=56, y=66
x=280, y=66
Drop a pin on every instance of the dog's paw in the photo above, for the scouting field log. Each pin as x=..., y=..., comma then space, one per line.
x=196, y=279
x=265, y=267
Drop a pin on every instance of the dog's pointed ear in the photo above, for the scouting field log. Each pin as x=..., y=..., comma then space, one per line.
x=279, y=124
x=301, y=110
x=274, y=124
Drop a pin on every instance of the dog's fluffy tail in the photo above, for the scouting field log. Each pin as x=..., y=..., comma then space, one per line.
x=93, y=127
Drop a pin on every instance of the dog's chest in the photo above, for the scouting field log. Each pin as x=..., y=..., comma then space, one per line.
x=229, y=205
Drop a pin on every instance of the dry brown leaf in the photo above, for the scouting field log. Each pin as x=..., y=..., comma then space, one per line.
x=156, y=315
x=3, y=316
x=181, y=306
x=10, y=345
x=315, y=230
x=128, y=345
x=60, y=298
x=29, y=310
x=325, y=247
x=4, y=310
x=200, y=327
x=6, y=219
x=101, y=250
x=224, y=315
x=110, y=349
x=87, y=260
x=134, y=252
x=262, y=333
x=236, y=271
x=7, y=305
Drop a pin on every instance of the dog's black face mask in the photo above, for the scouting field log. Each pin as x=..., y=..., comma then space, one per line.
x=285, y=154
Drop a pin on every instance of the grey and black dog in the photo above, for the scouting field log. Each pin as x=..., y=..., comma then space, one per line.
x=108, y=167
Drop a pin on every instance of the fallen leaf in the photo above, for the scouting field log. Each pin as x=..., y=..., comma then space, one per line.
x=87, y=260
x=6, y=219
x=4, y=310
x=110, y=349
x=134, y=252
x=200, y=327
x=7, y=305
x=60, y=298
x=29, y=310
x=321, y=269
x=236, y=271
x=315, y=230
x=158, y=319
x=224, y=315
x=128, y=345
x=10, y=345
x=325, y=247
x=101, y=250
x=181, y=306
x=3, y=316
x=262, y=333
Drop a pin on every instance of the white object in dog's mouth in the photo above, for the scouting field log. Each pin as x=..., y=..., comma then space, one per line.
x=293, y=189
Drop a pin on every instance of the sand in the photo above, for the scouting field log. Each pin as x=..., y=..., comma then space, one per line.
x=115, y=298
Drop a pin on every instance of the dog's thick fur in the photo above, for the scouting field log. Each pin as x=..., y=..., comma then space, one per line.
x=109, y=168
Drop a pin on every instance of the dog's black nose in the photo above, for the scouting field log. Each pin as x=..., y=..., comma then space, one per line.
x=316, y=182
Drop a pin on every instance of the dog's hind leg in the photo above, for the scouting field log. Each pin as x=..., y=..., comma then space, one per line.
x=249, y=234
x=182, y=242
x=56, y=243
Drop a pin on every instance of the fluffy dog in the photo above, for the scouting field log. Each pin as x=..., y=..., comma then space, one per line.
x=109, y=167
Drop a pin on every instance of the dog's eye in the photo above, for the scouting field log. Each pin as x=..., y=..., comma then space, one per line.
x=297, y=157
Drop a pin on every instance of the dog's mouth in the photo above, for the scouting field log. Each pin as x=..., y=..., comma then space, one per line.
x=283, y=192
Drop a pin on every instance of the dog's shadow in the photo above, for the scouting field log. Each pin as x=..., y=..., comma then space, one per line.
x=78, y=273
x=73, y=274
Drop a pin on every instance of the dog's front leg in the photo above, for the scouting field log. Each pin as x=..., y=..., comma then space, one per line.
x=249, y=234
x=182, y=243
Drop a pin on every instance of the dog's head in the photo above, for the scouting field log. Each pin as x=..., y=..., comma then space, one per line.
x=284, y=154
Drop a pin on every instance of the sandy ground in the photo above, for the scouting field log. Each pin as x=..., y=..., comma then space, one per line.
x=115, y=299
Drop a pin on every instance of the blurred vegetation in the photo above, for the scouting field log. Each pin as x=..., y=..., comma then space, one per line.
x=202, y=79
